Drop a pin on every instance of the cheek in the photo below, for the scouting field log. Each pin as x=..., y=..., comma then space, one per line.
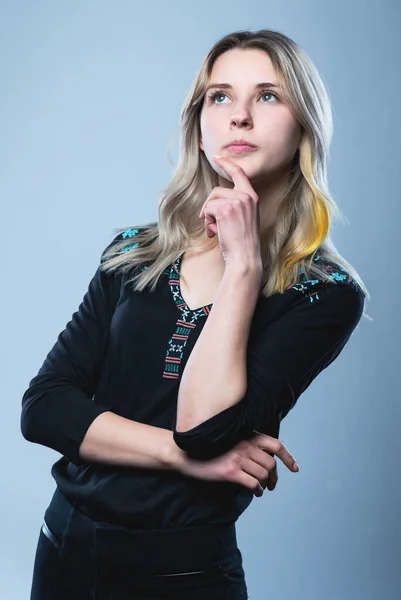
x=285, y=138
x=203, y=127
x=209, y=128
x=292, y=132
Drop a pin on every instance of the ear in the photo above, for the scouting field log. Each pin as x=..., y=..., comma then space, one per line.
x=201, y=145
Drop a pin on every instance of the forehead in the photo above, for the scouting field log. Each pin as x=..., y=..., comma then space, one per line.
x=243, y=66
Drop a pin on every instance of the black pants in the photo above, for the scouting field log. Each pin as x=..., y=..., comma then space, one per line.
x=78, y=558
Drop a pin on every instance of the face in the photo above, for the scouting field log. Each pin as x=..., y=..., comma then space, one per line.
x=244, y=111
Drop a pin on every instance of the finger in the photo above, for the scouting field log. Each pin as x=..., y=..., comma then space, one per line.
x=211, y=226
x=268, y=463
x=237, y=174
x=210, y=218
x=222, y=194
x=263, y=458
x=212, y=213
x=273, y=479
x=276, y=447
x=249, y=482
x=256, y=470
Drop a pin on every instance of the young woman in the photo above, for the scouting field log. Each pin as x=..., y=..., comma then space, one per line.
x=197, y=335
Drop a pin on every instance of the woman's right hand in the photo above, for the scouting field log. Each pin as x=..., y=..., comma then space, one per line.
x=250, y=463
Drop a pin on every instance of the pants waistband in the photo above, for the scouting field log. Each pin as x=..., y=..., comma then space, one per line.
x=152, y=551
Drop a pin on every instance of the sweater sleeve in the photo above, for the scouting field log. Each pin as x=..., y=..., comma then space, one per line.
x=281, y=363
x=57, y=407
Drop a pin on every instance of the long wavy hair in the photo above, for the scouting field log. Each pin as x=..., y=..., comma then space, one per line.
x=306, y=210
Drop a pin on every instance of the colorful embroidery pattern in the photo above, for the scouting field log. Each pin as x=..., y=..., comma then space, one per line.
x=175, y=352
x=129, y=233
x=184, y=324
x=188, y=319
x=310, y=287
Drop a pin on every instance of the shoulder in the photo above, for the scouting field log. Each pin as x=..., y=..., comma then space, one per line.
x=336, y=295
x=129, y=238
x=129, y=234
x=335, y=276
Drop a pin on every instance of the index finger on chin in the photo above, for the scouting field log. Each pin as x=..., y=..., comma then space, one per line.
x=238, y=175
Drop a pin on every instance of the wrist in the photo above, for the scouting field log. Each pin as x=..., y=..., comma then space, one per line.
x=238, y=268
x=245, y=276
x=172, y=457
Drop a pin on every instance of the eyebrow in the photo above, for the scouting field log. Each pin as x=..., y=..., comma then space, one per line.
x=227, y=86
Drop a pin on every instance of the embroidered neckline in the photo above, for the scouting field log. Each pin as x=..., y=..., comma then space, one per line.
x=175, y=286
x=309, y=288
x=188, y=319
x=185, y=324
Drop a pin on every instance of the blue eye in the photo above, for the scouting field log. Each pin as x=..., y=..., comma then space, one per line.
x=267, y=93
x=215, y=95
x=219, y=93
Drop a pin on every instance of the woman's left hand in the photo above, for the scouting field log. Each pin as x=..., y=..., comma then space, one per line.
x=233, y=214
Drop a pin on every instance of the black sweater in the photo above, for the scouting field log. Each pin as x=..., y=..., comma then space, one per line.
x=125, y=352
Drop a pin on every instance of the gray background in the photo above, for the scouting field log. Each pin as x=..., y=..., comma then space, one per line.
x=90, y=98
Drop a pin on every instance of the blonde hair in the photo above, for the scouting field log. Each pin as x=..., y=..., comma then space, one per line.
x=302, y=227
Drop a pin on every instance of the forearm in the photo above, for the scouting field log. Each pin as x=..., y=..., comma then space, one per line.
x=214, y=377
x=116, y=440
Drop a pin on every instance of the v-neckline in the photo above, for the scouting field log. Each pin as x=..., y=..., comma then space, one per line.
x=175, y=281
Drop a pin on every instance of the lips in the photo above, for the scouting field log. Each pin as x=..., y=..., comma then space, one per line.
x=240, y=143
x=240, y=148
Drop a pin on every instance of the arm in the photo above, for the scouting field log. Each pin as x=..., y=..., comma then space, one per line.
x=58, y=410
x=282, y=361
x=215, y=374
x=116, y=440
x=57, y=407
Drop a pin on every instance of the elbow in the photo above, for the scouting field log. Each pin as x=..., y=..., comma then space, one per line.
x=182, y=426
x=33, y=421
x=28, y=425
x=195, y=438
x=198, y=447
x=32, y=426
x=26, y=430
x=33, y=410
x=188, y=425
x=212, y=437
x=35, y=429
x=215, y=436
x=223, y=431
x=198, y=440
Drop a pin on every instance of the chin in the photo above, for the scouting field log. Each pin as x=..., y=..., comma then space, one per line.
x=252, y=171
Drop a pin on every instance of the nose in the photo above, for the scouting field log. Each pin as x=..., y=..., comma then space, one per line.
x=241, y=118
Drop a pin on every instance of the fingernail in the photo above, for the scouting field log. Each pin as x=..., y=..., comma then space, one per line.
x=296, y=466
